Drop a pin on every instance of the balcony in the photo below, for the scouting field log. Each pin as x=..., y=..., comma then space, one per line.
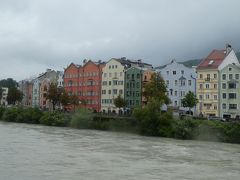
x=207, y=79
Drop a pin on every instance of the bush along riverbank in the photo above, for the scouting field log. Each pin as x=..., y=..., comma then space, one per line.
x=144, y=122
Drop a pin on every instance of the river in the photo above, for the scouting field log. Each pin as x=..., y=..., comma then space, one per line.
x=29, y=152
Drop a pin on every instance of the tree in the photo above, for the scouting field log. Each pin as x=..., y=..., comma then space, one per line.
x=119, y=102
x=74, y=100
x=1, y=91
x=53, y=95
x=64, y=98
x=189, y=100
x=14, y=95
x=155, y=91
x=9, y=83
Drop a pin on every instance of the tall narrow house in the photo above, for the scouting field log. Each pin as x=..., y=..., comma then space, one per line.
x=208, y=80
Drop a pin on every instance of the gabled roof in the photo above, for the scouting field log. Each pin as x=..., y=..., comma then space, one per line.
x=213, y=60
x=182, y=78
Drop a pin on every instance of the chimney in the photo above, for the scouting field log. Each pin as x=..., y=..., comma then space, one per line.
x=228, y=48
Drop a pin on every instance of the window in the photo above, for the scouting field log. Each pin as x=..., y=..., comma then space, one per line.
x=215, y=86
x=232, y=85
x=207, y=96
x=167, y=72
x=114, y=91
x=120, y=74
x=215, y=76
x=174, y=72
x=236, y=76
x=175, y=93
x=232, y=96
x=110, y=74
x=224, y=106
x=120, y=91
x=208, y=76
x=182, y=82
x=224, y=85
x=200, y=86
x=176, y=82
x=232, y=106
x=128, y=76
x=132, y=76
x=105, y=74
x=175, y=103
x=215, y=106
x=109, y=67
x=215, y=97
x=182, y=72
x=138, y=76
x=167, y=82
x=116, y=66
x=115, y=82
x=189, y=82
x=224, y=77
x=230, y=69
x=201, y=97
x=230, y=76
x=109, y=83
x=109, y=91
x=112, y=66
x=115, y=74
x=207, y=86
x=200, y=76
x=224, y=95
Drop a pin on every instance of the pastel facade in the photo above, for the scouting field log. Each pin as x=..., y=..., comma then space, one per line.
x=26, y=87
x=179, y=80
x=146, y=77
x=133, y=87
x=208, y=84
x=229, y=92
x=85, y=82
x=112, y=84
x=38, y=99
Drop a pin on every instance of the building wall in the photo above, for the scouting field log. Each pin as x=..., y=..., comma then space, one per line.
x=112, y=72
x=3, y=100
x=146, y=77
x=179, y=80
x=44, y=102
x=207, y=92
x=133, y=87
x=229, y=102
x=35, y=93
x=90, y=78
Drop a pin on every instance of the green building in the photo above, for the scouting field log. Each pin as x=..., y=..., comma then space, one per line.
x=133, y=87
x=229, y=93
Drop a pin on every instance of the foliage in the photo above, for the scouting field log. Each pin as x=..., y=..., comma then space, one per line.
x=156, y=90
x=153, y=122
x=1, y=91
x=74, y=100
x=54, y=94
x=189, y=100
x=54, y=119
x=64, y=98
x=119, y=102
x=2, y=110
x=9, y=83
x=18, y=114
x=83, y=119
x=14, y=95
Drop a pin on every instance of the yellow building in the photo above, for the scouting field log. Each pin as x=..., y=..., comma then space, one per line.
x=208, y=81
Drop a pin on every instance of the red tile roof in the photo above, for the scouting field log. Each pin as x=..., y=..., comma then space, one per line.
x=213, y=60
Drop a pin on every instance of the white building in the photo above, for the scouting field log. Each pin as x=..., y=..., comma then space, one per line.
x=4, y=96
x=179, y=80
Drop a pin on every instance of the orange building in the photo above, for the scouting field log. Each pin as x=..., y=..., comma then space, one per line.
x=85, y=82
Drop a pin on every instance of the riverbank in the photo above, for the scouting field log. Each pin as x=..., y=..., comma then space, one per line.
x=165, y=126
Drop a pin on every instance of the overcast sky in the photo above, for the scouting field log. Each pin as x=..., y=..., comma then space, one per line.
x=40, y=34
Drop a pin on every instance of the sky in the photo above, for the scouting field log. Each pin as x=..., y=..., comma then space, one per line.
x=40, y=34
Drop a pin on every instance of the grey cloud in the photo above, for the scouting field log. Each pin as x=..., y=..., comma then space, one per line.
x=54, y=33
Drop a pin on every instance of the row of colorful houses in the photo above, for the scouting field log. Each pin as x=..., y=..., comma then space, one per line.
x=215, y=81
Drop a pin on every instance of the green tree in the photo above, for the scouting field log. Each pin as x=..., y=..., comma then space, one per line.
x=53, y=95
x=74, y=100
x=119, y=102
x=1, y=91
x=155, y=91
x=189, y=100
x=9, y=83
x=64, y=98
x=14, y=95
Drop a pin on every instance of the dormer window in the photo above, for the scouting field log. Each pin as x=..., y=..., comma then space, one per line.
x=211, y=62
